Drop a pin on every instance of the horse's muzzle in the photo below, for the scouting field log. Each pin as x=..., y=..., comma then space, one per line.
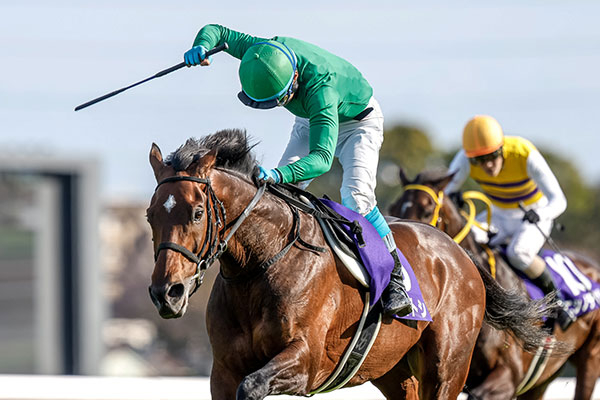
x=170, y=299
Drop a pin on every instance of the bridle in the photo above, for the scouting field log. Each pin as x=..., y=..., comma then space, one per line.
x=438, y=199
x=468, y=197
x=215, y=228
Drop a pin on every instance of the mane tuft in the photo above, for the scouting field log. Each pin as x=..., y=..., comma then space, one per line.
x=233, y=147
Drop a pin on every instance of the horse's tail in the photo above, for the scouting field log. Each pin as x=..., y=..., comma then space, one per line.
x=510, y=310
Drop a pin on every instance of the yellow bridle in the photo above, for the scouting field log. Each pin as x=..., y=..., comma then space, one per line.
x=468, y=197
x=438, y=199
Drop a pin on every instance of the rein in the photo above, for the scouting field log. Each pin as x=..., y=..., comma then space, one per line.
x=218, y=243
x=468, y=197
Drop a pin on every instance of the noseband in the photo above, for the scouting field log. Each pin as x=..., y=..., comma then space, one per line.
x=216, y=217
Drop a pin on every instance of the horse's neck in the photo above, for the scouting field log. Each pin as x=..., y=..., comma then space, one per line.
x=452, y=220
x=261, y=234
x=454, y=224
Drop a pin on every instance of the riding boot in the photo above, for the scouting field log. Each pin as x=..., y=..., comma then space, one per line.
x=394, y=297
x=565, y=317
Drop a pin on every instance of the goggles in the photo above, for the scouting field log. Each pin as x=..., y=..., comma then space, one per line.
x=486, y=157
x=265, y=105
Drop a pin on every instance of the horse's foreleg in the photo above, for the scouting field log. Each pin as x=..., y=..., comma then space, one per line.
x=287, y=372
x=498, y=385
x=223, y=382
x=398, y=383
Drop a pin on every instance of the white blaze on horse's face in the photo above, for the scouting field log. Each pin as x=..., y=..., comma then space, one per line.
x=405, y=207
x=170, y=203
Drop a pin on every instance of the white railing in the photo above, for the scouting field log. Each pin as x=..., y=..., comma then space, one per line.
x=59, y=387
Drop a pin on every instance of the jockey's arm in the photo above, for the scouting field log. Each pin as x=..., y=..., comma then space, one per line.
x=539, y=170
x=214, y=35
x=460, y=167
x=324, y=129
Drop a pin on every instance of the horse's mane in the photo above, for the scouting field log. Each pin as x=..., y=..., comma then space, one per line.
x=233, y=147
x=431, y=175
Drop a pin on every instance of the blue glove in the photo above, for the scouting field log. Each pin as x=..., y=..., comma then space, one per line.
x=195, y=55
x=270, y=176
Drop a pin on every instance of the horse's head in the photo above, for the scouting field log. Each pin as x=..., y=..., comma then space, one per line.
x=187, y=218
x=423, y=198
x=178, y=217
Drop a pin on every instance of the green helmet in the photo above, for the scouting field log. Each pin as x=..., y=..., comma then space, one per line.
x=266, y=73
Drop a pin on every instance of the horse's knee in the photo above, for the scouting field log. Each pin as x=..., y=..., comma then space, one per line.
x=252, y=387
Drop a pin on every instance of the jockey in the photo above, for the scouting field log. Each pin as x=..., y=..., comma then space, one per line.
x=336, y=115
x=512, y=172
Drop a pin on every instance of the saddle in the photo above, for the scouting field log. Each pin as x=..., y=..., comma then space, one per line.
x=338, y=230
x=360, y=248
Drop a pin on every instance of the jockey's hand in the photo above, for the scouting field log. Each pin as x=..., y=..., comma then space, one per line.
x=492, y=232
x=196, y=56
x=531, y=216
x=457, y=198
x=270, y=176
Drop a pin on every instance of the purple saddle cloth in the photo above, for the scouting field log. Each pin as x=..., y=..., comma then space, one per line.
x=581, y=294
x=379, y=264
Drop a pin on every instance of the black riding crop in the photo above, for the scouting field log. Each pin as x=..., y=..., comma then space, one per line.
x=217, y=49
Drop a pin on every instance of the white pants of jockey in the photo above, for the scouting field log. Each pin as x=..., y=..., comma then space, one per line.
x=524, y=239
x=357, y=151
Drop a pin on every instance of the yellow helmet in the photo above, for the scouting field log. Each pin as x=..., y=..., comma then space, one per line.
x=482, y=135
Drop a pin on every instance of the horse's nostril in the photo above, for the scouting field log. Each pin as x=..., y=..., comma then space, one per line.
x=176, y=291
x=156, y=299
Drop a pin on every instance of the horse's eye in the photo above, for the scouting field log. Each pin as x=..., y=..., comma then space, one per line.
x=198, y=211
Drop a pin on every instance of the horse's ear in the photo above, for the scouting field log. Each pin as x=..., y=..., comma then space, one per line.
x=156, y=161
x=203, y=165
x=443, y=182
x=403, y=179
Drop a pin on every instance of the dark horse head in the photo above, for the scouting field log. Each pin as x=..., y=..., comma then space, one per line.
x=186, y=217
x=423, y=197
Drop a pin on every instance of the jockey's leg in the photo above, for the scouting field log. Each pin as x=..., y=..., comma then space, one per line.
x=358, y=152
x=545, y=282
x=522, y=253
x=394, y=297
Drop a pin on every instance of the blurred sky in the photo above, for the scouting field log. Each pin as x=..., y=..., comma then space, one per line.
x=532, y=64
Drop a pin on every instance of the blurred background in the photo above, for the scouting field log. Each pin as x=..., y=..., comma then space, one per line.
x=75, y=248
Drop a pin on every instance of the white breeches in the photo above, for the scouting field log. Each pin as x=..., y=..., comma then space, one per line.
x=357, y=150
x=524, y=239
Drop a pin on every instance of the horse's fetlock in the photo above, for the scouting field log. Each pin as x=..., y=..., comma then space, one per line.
x=252, y=388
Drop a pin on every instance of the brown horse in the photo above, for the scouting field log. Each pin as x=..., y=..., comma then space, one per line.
x=498, y=366
x=281, y=314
